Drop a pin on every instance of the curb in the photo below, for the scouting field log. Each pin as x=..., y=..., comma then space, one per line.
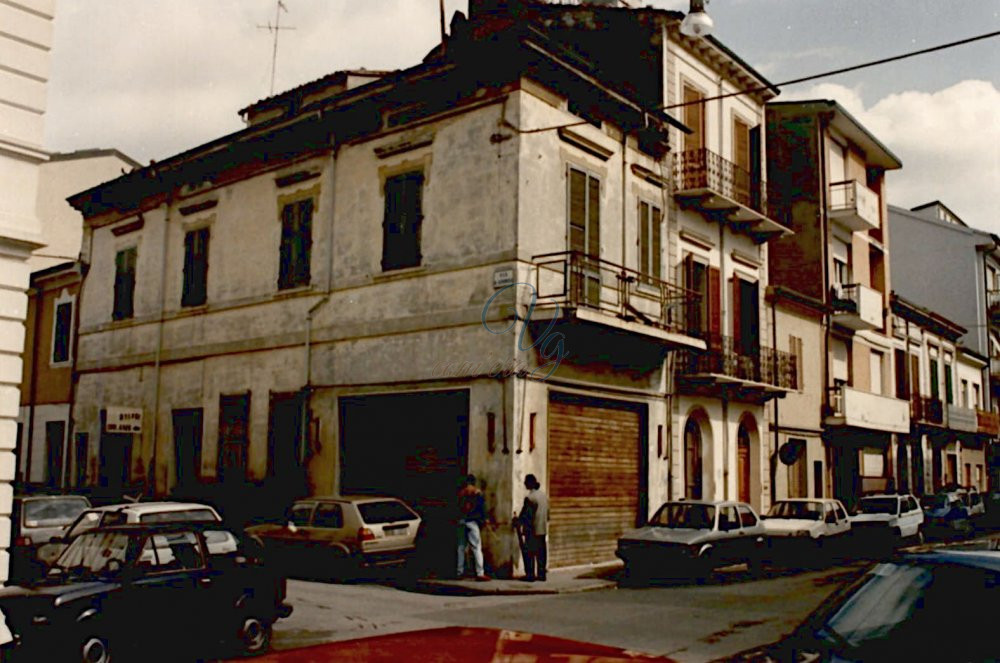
x=449, y=589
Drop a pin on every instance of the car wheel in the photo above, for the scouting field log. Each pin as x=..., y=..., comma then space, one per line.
x=635, y=574
x=705, y=566
x=95, y=649
x=254, y=635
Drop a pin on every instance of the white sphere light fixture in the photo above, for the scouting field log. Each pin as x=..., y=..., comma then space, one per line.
x=697, y=23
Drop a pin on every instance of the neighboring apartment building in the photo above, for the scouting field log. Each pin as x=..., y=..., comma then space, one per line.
x=950, y=427
x=827, y=174
x=25, y=46
x=963, y=260
x=326, y=301
x=45, y=429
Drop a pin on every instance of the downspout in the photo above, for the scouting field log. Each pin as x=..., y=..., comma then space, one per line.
x=624, y=261
x=74, y=378
x=831, y=457
x=33, y=387
x=151, y=475
x=725, y=392
x=773, y=456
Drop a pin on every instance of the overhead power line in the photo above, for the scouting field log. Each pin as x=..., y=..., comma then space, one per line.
x=801, y=79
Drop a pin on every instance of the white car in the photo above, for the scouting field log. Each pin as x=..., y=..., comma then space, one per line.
x=806, y=529
x=892, y=519
x=138, y=512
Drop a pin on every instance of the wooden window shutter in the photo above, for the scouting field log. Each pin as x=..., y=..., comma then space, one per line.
x=693, y=118
x=577, y=210
x=657, y=248
x=914, y=375
x=644, y=229
x=594, y=217
x=741, y=144
x=714, y=306
x=736, y=311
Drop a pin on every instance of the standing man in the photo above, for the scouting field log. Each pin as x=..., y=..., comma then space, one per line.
x=534, y=524
x=471, y=516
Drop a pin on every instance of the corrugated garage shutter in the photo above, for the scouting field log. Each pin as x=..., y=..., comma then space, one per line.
x=595, y=484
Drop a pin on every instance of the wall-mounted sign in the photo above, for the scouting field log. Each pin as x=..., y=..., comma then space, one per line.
x=503, y=277
x=123, y=420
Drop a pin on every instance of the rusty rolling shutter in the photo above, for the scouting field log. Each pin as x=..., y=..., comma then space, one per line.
x=595, y=482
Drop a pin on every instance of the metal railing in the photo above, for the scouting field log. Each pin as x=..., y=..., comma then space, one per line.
x=987, y=423
x=575, y=279
x=724, y=357
x=993, y=300
x=846, y=298
x=927, y=409
x=704, y=169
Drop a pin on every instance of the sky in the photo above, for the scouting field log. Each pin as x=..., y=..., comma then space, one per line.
x=155, y=77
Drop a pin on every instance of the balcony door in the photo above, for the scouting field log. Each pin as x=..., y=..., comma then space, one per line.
x=746, y=317
x=585, y=237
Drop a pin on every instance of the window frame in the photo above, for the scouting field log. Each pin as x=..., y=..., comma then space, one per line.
x=123, y=298
x=395, y=214
x=190, y=277
x=291, y=273
x=64, y=299
x=650, y=227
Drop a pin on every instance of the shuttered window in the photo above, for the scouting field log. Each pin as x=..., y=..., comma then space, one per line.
x=650, y=222
x=402, y=221
x=62, y=332
x=195, y=287
x=124, y=305
x=296, y=244
x=584, y=213
x=694, y=118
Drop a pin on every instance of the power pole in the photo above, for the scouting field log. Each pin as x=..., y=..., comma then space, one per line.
x=278, y=8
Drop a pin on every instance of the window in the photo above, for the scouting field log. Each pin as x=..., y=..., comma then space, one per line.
x=935, y=387
x=694, y=118
x=795, y=349
x=876, y=371
x=747, y=519
x=80, y=467
x=728, y=519
x=234, y=417
x=703, y=313
x=692, y=460
x=388, y=511
x=299, y=514
x=650, y=221
x=329, y=515
x=62, y=332
x=975, y=396
x=949, y=388
x=195, y=267
x=205, y=515
x=55, y=435
x=585, y=233
x=296, y=241
x=176, y=552
x=402, y=222
x=124, y=305
x=841, y=262
x=965, y=393
x=741, y=147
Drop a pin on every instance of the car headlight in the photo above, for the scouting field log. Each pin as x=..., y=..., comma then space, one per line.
x=39, y=619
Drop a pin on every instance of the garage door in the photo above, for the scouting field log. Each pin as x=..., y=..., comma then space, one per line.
x=597, y=481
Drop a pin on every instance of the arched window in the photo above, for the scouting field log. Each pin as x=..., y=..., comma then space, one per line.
x=692, y=460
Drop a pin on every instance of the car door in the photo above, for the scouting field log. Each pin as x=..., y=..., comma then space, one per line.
x=750, y=540
x=293, y=534
x=910, y=516
x=730, y=544
x=843, y=525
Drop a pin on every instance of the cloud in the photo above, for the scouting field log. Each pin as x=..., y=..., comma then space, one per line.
x=948, y=141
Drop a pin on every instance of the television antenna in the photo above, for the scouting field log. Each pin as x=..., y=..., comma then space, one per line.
x=275, y=29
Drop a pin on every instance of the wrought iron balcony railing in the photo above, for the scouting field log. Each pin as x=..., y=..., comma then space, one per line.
x=988, y=423
x=704, y=169
x=927, y=409
x=577, y=280
x=725, y=357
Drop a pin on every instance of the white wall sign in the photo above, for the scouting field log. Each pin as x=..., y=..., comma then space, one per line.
x=123, y=420
x=503, y=277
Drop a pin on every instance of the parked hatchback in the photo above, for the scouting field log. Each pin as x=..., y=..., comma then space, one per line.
x=35, y=520
x=887, y=521
x=807, y=531
x=343, y=533
x=691, y=539
x=946, y=515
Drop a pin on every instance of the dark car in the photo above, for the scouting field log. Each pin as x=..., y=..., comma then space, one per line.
x=914, y=608
x=36, y=519
x=163, y=587
x=946, y=515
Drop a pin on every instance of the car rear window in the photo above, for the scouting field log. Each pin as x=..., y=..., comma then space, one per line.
x=185, y=516
x=54, y=512
x=889, y=505
x=390, y=511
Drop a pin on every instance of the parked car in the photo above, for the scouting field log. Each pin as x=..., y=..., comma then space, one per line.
x=806, y=530
x=901, y=611
x=991, y=502
x=35, y=519
x=973, y=501
x=146, y=513
x=887, y=521
x=156, y=587
x=691, y=539
x=946, y=515
x=343, y=533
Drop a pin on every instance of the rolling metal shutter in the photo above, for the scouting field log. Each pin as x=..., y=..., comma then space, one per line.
x=595, y=482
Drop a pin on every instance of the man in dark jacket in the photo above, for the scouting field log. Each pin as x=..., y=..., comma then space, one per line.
x=472, y=515
x=533, y=522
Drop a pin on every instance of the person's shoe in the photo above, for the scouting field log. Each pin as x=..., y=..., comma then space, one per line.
x=527, y=579
x=541, y=578
x=483, y=578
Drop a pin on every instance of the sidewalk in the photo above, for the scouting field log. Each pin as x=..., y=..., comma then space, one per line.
x=561, y=581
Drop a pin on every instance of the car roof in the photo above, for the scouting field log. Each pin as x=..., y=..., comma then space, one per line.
x=356, y=499
x=883, y=496
x=157, y=527
x=151, y=507
x=35, y=498
x=807, y=499
x=980, y=559
x=709, y=502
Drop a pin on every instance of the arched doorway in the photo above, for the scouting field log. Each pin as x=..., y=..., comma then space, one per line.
x=748, y=486
x=693, y=487
x=743, y=462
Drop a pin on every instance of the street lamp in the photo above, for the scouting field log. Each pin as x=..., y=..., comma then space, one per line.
x=697, y=23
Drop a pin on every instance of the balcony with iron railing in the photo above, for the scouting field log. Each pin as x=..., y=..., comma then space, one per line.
x=927, y=410
x=705, y=181
x=987, y=423
x=853, y=205
x=725, y=362
x=596, y=291
x=857, y=306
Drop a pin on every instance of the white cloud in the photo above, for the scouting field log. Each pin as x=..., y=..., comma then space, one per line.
x=948, y=141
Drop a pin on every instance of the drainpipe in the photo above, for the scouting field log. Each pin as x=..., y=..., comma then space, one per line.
x=151, y=475
x=33, y=386
x=722, y=324
x=831, y=457
x=74, y=379
x=624, y=260
x=773, y=456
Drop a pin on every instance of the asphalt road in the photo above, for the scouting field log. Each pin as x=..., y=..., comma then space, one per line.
x=687, y=622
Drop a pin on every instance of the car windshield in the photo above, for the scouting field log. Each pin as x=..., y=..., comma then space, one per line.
x=685, y=516
x=888, y=505
x=798, y=510
x=94, y=552
x=934, y=501
x=53, y=512
x=390, y=511
x=203, y=515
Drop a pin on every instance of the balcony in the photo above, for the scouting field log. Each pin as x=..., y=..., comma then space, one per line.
x=718, y=188
x=962, y=418
x=857, y=307
x=854, y=205
x=860, y=409
x=987, y=423
x=765, y=373
x=993, y=306
x=927, y=410
x=577, y=287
